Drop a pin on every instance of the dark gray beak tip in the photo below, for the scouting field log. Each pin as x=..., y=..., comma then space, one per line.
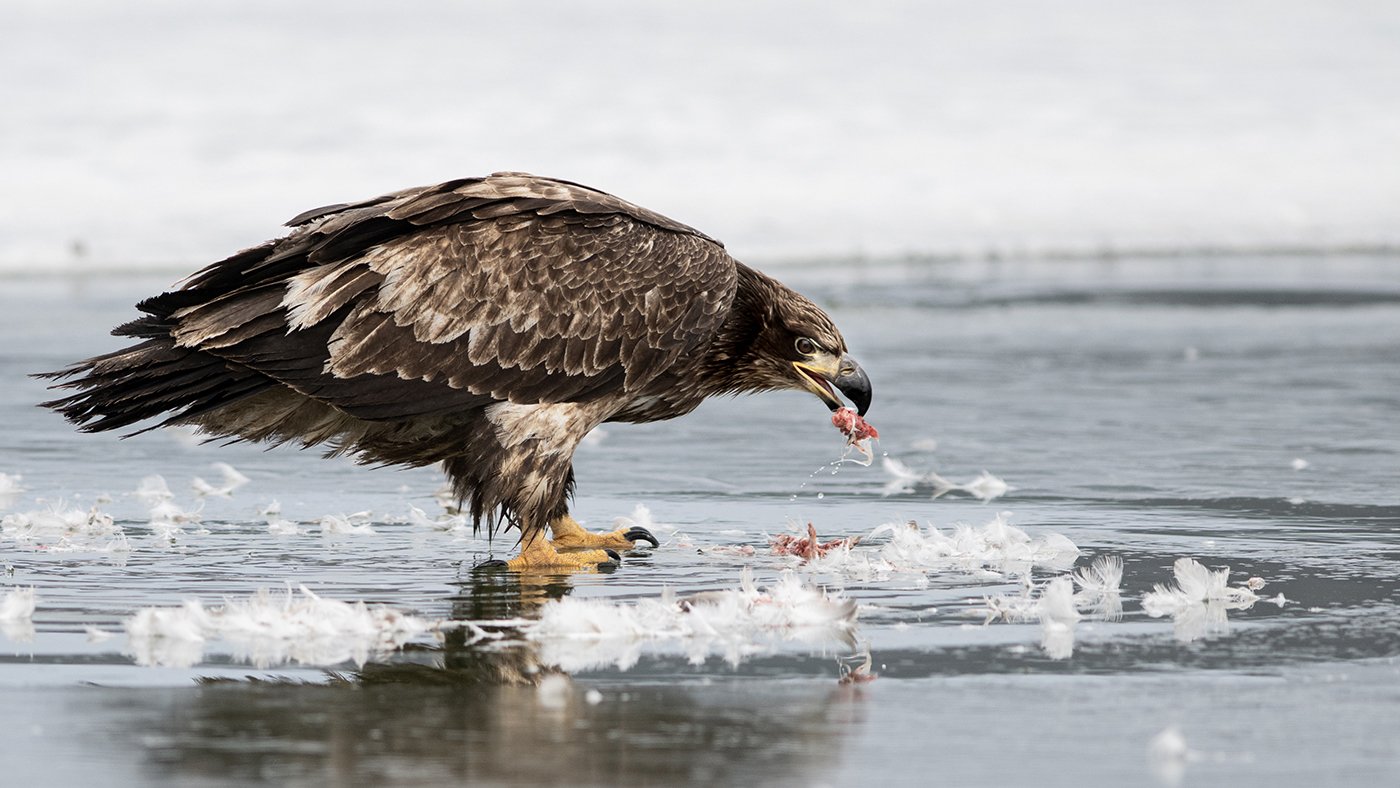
x=856, y=387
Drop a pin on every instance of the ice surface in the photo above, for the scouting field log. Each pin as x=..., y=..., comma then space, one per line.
x=1211, y=483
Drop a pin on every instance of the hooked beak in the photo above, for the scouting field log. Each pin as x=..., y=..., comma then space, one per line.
x=823, y=372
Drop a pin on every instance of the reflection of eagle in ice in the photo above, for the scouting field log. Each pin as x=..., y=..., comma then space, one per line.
x=484, y=323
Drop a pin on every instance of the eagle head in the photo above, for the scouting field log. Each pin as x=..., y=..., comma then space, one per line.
x=793, y=344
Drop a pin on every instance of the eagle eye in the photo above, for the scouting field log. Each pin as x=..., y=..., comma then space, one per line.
x=806, y=346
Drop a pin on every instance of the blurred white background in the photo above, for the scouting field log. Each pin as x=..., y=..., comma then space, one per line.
x=164, y=133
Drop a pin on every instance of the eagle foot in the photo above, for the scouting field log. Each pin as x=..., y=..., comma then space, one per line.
x=540, y=554
x=569, y=535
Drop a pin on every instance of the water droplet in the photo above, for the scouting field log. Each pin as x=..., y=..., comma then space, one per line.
x=820, y=496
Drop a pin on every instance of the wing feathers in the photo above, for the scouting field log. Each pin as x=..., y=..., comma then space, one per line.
x=314, y=295
x=508, y=288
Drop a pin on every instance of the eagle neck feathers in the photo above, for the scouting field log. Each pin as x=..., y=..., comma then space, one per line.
x=737, y=360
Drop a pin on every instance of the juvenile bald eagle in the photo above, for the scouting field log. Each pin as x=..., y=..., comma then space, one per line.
x=485, y=323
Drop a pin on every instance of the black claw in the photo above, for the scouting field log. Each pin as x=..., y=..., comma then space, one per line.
x=613, y=555
x=494, y=565
x=639, y=534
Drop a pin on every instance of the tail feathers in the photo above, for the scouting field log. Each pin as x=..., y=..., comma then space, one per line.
x=148, y=380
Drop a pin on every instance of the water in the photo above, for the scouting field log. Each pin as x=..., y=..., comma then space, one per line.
x=1144, y=409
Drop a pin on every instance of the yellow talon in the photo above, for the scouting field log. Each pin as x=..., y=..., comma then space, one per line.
x=539, y=553
x=573, y=549
x=569, y=535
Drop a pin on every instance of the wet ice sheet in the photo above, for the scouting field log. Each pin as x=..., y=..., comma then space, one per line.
x=1085, y=400
x=1306, y=725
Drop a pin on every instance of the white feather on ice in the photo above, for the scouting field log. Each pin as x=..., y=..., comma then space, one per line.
x=996, y=547
x=998, y=544
x=17, y=614
x=230, y=479
x=577, y=634
x=276, y=524
x=1168, y=755
x=1100, y=587
x=1200, y=600
x=62, y=528
x=904, y=479
x=448, y=499
x=167, y=519
x=269, y=629
x=338, y=524
x=1058, y=608
x=1195, y=585
x=1058, y=617
x=153, y=490
x=10, y=489
x=457, y=524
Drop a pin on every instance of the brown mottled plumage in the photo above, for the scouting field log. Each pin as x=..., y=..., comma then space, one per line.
x=484, y=323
